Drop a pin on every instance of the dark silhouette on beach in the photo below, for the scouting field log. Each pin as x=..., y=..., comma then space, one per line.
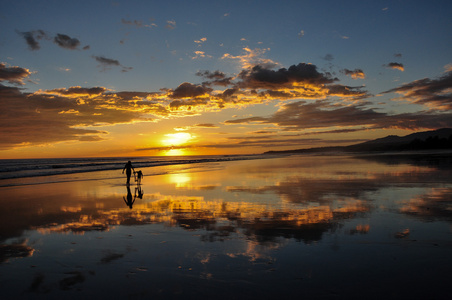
x=139, y=191
x=128, y=167
x=130, y=200
x=139, y=175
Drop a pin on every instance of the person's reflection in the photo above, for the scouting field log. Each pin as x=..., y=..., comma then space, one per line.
x=138, y=192
x=129, y=202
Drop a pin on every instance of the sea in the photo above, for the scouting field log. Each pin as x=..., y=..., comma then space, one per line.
x=47, y=170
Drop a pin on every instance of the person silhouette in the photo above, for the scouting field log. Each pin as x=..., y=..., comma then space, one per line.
x=128, y=167
x=129, y=202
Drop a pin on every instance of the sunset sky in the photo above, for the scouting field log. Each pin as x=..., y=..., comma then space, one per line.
x=142, y=78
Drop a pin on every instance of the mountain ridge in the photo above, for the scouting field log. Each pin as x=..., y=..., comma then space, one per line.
x=424, y=140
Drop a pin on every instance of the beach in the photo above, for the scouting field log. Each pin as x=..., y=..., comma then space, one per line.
x=298, y=226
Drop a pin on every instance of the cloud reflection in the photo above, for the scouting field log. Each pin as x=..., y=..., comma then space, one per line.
x=272, y=202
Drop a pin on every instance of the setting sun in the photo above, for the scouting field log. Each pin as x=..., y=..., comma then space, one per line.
x=176, y=139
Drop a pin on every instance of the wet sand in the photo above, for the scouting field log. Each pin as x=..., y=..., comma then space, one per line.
x=313, y=227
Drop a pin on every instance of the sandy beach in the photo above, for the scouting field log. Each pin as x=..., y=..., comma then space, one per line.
x=313, y=227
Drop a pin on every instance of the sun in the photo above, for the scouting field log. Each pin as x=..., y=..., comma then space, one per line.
x=176, y=139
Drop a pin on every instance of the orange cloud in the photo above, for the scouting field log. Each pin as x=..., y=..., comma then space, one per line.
x=355, y=74
x=395, y=66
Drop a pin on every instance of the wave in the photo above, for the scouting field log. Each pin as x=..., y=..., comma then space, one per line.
x=22, y=168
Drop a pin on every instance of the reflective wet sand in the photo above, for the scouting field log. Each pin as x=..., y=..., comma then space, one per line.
x=314, y=227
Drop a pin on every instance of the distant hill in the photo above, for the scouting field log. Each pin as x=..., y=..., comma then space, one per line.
x=426, y=140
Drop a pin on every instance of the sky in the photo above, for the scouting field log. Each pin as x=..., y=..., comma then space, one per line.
x=144, y=78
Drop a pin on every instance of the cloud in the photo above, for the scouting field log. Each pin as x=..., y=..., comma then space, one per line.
x=261, y=77
x=320, y=114
x=260, y=83
x=251, y=58
x=14, y=75
x=435, y=93
x=201, y=54
x=70, y=114
x=206, y=125
x=77, y=91
x=64, y=41
x=105, y=63
x=395, y=66
x=355, y=74
x=188, y=90
x=215, y=78
x=328, y=57
x=201, y=40
x=170, y=24
x=32, y=38
x=74, y=113
x=137, y=23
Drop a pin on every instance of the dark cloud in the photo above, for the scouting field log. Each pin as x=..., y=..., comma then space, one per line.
x=355, y=74
x=189, y=104
x=328, y=57
x=396, y=66
x=431, y=92
x=137, y=23
x=188, y=90
x=211, y=75
x=105, y=63
x=32, y=38
x=134, y=22
x=14, y=75
x=260, y=77
x=302, y=115
x=347, y=91
x=65, y=41
x=77, y=90
x=216, y=78
x=206, y=125
x=228, y=93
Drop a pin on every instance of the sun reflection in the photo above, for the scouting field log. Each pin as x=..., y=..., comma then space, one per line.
x=180, y=179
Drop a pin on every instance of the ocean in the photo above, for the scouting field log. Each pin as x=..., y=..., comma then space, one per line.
x=34, y=171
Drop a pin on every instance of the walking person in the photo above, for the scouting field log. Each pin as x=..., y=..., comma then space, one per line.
x=128, y=167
